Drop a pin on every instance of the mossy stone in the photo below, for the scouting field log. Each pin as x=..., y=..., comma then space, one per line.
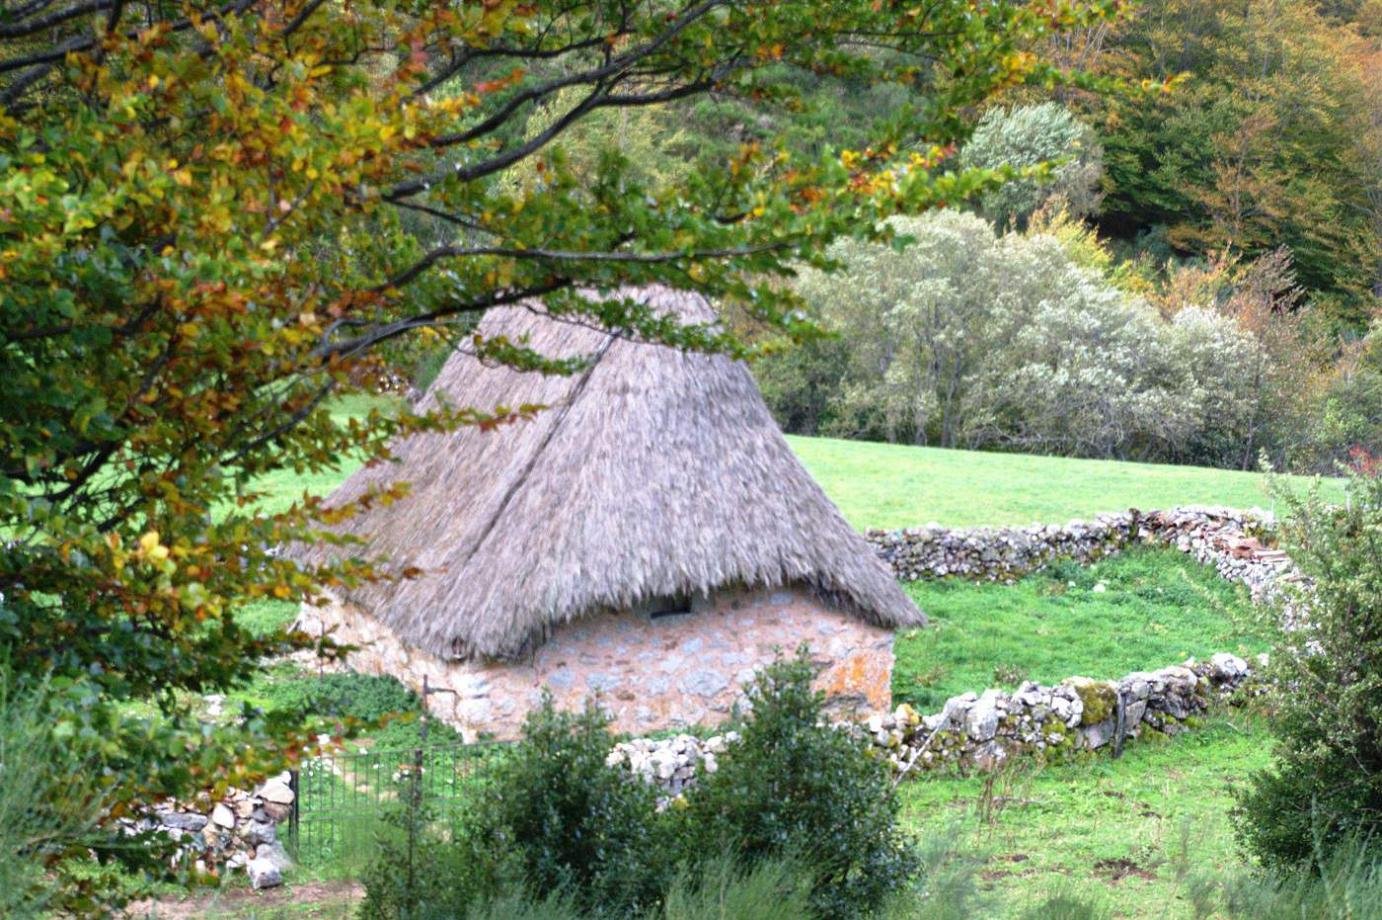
x=1100, y=699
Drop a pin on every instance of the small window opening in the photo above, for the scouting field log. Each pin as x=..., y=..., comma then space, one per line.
x=675, y=606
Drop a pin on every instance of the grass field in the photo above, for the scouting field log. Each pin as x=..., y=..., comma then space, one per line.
x=1135, y=832
x=1141, y=610
x=890, y=485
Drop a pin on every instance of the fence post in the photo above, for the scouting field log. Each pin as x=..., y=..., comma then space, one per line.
x=294, y=810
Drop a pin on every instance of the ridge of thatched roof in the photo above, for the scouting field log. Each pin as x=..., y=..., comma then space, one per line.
x=654, y=472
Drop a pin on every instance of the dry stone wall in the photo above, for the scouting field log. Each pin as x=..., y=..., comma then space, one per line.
x=239, y=832
x=984, y=731
x=1239, y=544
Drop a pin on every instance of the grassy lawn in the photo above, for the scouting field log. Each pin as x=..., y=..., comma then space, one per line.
x=1134, y=831
x=1140, y=610
x=893, y=485
x=890, y=485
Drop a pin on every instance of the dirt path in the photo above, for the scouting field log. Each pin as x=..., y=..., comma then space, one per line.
x=302, y=901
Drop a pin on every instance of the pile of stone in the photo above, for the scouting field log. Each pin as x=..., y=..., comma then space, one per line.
x=240, y=832
x=1237, y=543
x=983, y=731
x=671, y=764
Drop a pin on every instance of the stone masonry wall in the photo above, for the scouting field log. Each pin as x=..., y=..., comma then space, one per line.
x=985, y=730
x=649, y=673
x=238, y=832
x=1237, y=543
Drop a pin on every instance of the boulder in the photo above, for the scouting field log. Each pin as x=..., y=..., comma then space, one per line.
x=269, y=863
x=277, y=792
x=981, y=722
x=263, y=873
x=222, y=816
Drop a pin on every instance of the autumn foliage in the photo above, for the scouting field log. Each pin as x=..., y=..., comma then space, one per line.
x=214, y=214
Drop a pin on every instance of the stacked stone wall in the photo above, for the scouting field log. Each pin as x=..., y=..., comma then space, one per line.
x=1239, y=544
x=648, y=672
x=237, y=832
x=983, y=731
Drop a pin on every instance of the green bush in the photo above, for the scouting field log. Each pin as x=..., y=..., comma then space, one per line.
x=1325, y=786
x=548, y=816
x=50, y=807
x=569, y=821
x=771, y=890
x=794, y=786
x=1346, y=885
x=799, y=820
x=425, y=868
x=347, y=695
x=1033, y=135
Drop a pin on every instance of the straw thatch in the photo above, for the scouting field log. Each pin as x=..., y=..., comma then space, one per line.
x=653, y=473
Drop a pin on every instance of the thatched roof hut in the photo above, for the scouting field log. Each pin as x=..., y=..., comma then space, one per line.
x=653, y=473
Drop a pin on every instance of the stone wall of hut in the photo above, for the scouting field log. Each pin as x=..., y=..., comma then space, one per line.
x=649, y=672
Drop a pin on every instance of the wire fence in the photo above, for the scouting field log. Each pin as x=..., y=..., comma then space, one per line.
x=340, y=798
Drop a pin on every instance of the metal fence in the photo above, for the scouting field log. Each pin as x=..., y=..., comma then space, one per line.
x=339, y=798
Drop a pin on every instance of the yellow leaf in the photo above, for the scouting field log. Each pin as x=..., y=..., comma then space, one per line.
x=149, y=541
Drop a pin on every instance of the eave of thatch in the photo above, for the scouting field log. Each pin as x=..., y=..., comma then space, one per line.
x=654, y=472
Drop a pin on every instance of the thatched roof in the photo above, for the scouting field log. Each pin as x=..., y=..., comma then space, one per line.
x=654, y=473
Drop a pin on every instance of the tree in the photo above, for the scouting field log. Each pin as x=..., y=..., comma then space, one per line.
x=214, y=214
x=1257, y=145
x=1030, y=136
x=1324, y=787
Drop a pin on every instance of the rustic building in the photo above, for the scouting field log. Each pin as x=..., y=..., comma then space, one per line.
x=649, y=537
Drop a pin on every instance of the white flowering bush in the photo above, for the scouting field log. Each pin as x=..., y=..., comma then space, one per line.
x=965, y=338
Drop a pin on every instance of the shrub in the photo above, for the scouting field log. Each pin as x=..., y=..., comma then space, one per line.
x=1345, y=885
x=548, y=816
x=771, y=890
x=425, y=869
x=1038, y=342
x=1325, y=786
x=49, y=809
x=571, y=822
x=794, y=786
x=799, y=820
x=348, y=695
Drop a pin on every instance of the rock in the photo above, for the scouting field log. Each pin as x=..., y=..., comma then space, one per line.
x=257, y=832
x=277, y=792
x=1136, y=710
x=274, y=852
x=264, y=873
x=1227, y=668
x=182, y=821
x=1098, y=735
x=981, y=722
x=222, y=816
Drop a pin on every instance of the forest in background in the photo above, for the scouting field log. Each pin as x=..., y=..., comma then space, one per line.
x=1193, y=275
